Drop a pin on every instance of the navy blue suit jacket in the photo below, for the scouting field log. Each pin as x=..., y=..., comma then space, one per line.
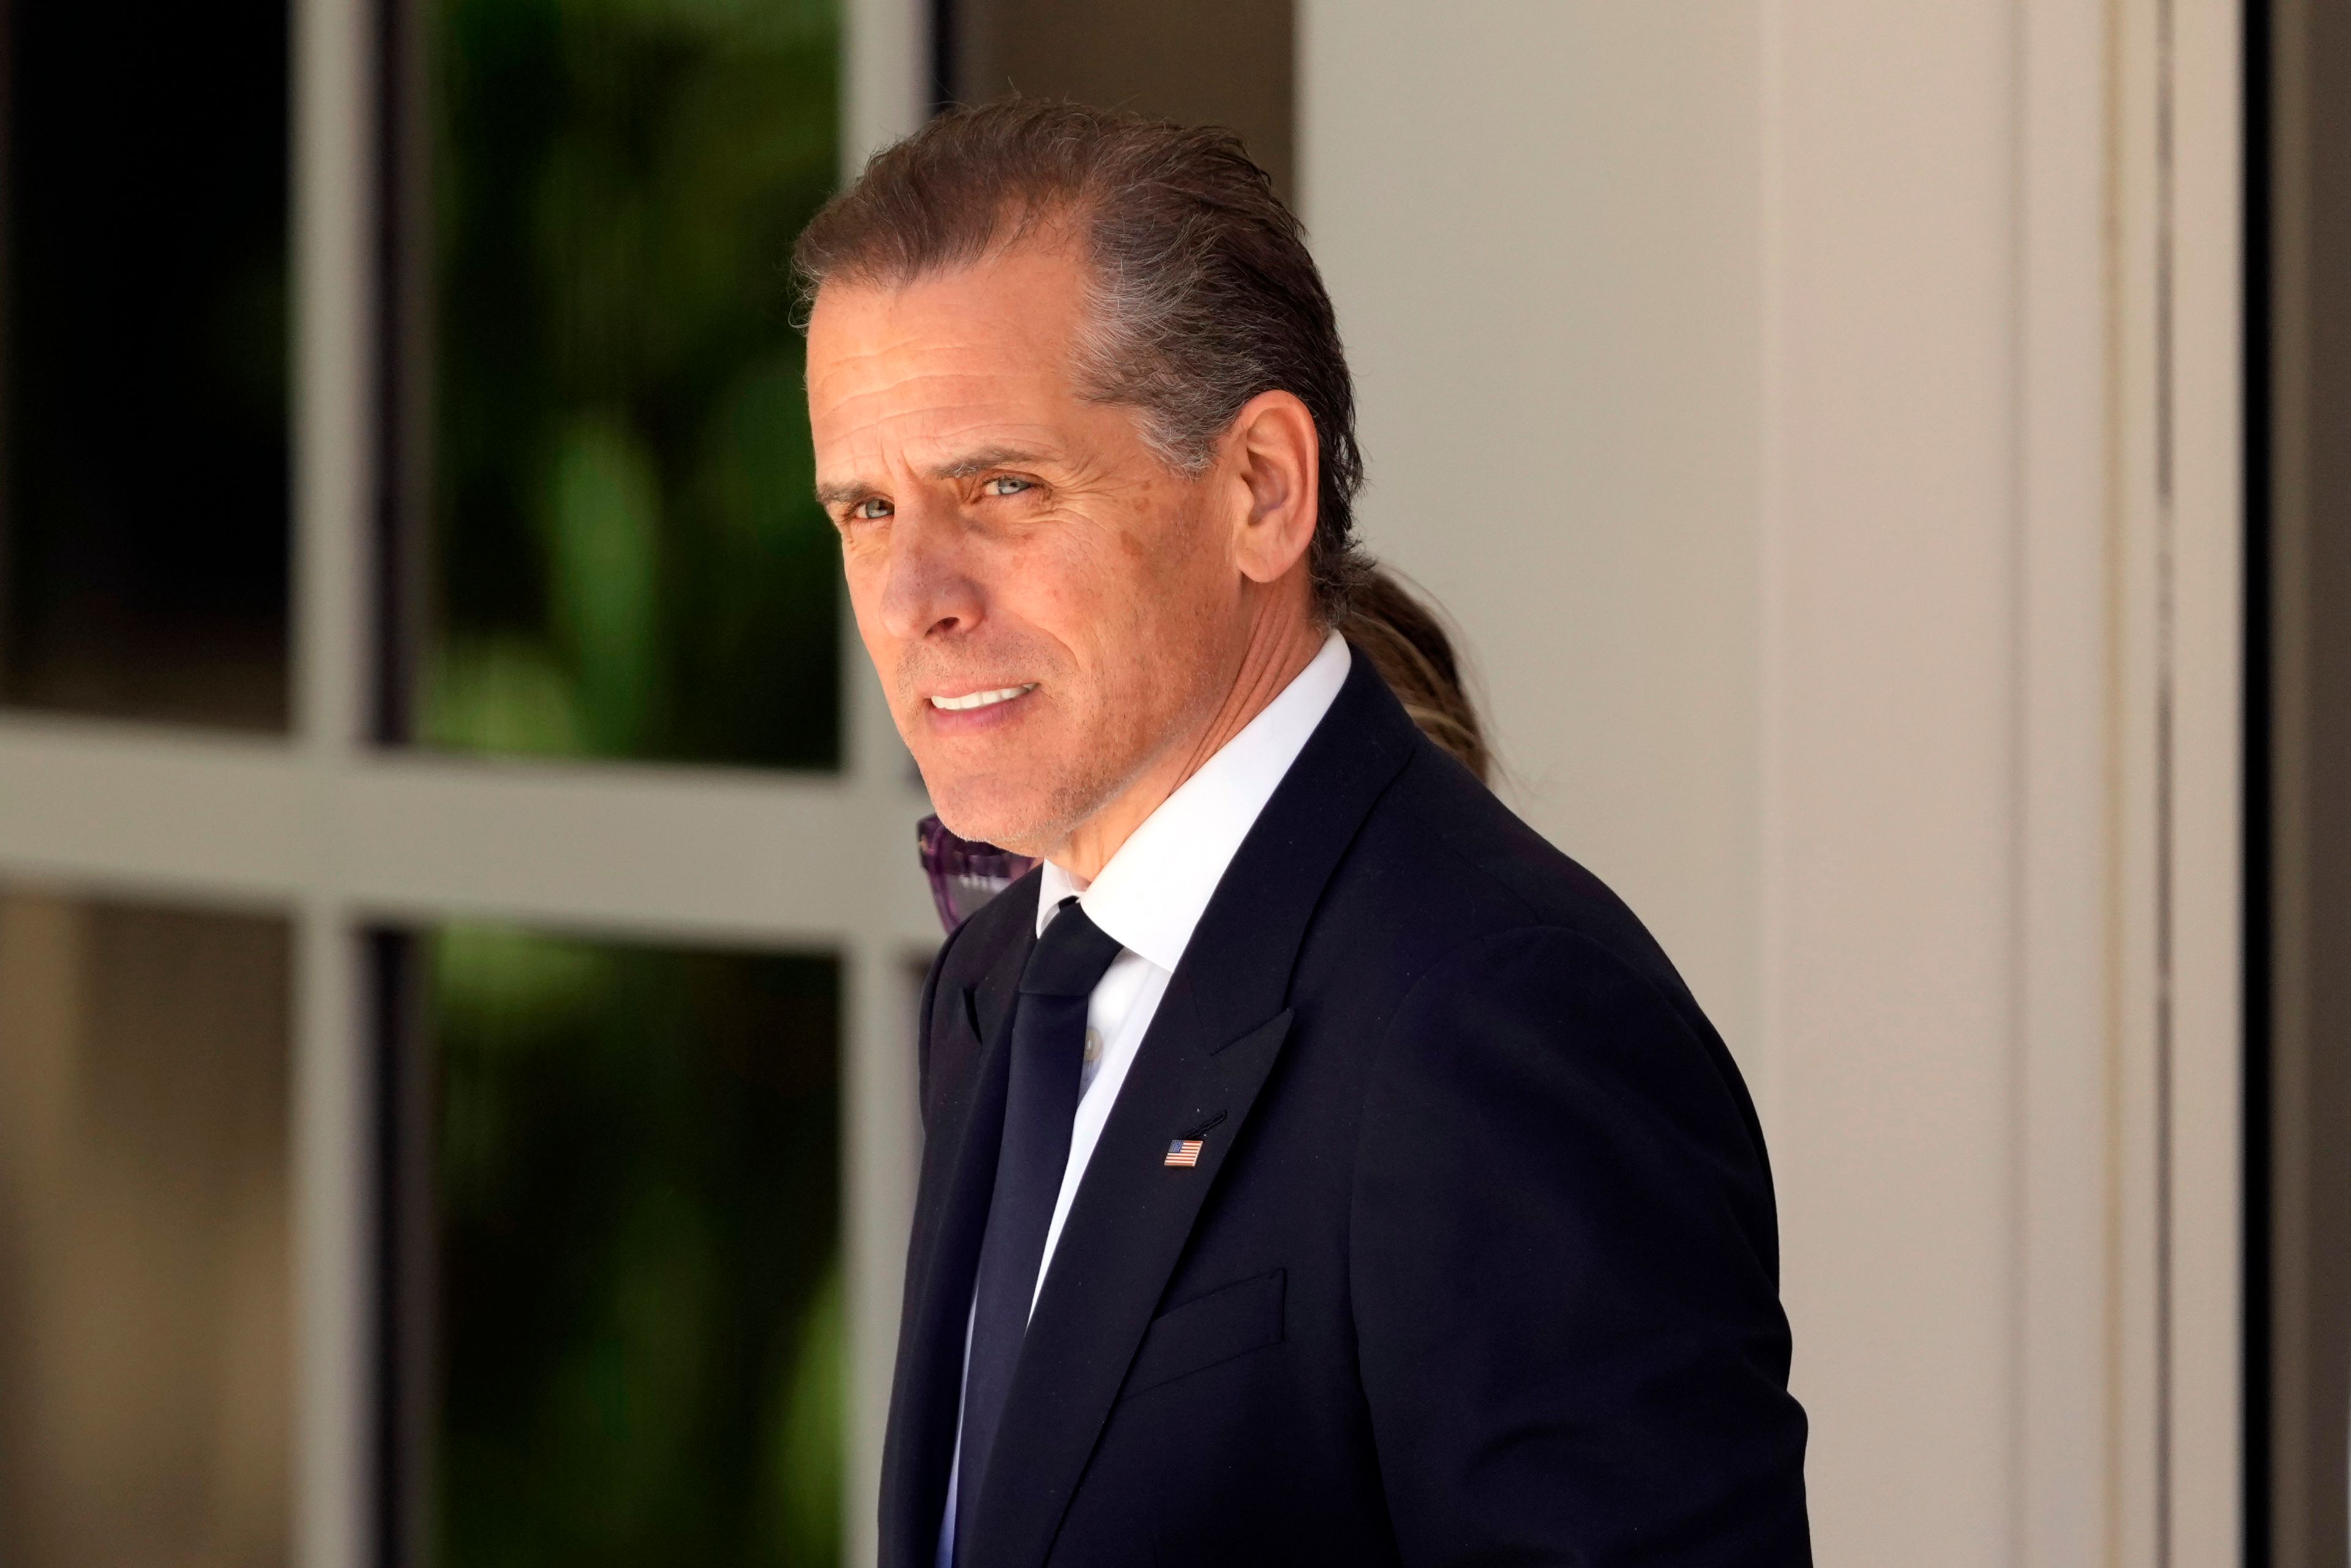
x=1478, y=1263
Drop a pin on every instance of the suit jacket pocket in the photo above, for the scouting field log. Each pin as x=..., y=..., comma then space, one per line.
x=1232, y=1321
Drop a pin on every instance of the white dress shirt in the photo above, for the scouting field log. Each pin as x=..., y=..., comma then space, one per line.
x=1149, y=898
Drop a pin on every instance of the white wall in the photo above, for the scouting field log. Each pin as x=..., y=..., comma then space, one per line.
x=1541, y=226
x=1891, y=704
x=1695, y=374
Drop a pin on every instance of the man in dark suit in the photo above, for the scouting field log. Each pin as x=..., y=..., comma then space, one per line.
x=1318, y=1166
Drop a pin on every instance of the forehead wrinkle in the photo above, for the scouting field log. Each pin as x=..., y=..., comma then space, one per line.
x=843, y=389
x=915, y=392
x=938, y=409
x=914, y=326
x=905, y=354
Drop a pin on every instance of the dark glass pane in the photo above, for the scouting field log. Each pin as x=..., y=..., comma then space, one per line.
x=143, y=473
x=1201, y=62
x=627, y=560
x=145, y=1305
x=636, y=1176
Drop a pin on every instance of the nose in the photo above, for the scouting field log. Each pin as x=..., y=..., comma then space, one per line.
x=928, y=589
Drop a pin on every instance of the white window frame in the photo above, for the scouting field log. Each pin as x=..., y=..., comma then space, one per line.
x=341, y=835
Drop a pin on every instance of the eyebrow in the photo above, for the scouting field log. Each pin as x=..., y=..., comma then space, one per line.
x=973, y=464
x=849, y=495
x=969, y=465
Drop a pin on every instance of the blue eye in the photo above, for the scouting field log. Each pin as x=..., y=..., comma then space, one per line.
x=871, y=510
x=1006, y=485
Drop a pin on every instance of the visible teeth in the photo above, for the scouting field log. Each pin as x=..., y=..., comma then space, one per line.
x=984, y=699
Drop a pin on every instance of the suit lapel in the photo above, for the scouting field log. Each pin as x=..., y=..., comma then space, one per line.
x=1098, y=1299
x=1214, y=1042
x=970, y=1064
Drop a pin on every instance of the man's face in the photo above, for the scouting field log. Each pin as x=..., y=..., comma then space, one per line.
x=1049, y=607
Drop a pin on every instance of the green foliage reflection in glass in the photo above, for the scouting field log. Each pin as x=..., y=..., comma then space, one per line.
x=641, y=1341
x=627, y=561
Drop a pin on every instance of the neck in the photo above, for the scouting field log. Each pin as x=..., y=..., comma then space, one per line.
x=1278, y=648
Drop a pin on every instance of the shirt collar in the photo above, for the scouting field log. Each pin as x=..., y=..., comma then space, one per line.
x=1158, y=884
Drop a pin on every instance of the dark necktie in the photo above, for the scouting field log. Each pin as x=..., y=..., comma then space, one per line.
x=1049, y=1033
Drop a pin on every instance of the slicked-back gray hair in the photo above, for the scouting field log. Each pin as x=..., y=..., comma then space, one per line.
x=1203, y=293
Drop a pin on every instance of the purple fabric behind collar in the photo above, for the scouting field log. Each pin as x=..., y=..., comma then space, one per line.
x=964, y=875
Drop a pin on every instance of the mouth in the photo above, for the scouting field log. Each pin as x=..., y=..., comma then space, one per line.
x=971, y=700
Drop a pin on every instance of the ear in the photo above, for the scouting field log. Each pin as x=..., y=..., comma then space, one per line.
x=1275, y=462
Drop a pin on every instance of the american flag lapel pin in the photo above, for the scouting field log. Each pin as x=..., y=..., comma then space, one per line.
x=1184, y=1153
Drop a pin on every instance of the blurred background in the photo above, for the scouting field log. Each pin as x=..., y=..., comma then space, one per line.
x=1890, y=467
